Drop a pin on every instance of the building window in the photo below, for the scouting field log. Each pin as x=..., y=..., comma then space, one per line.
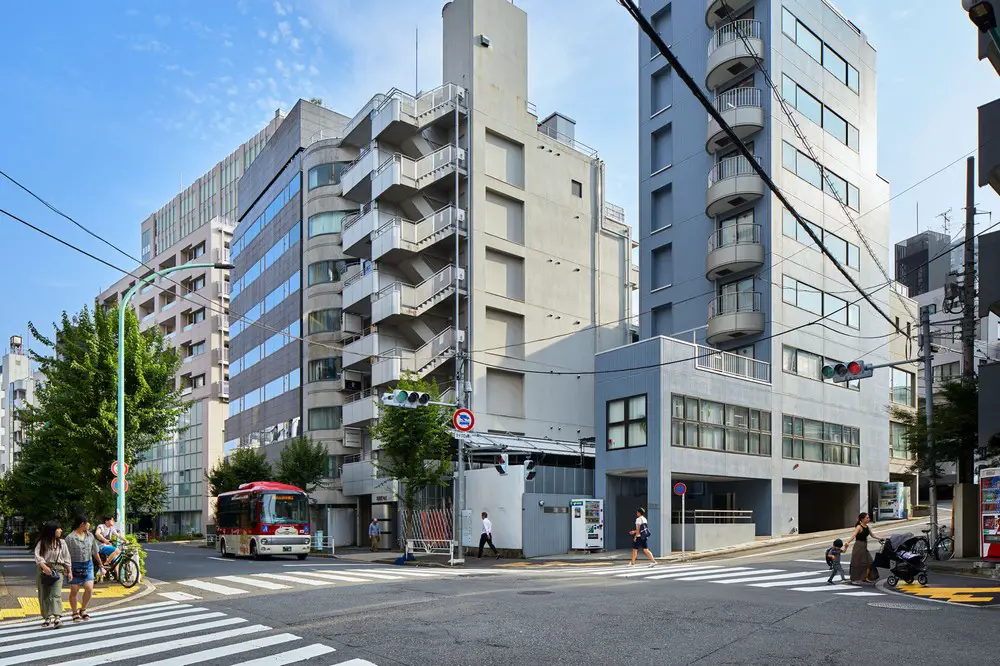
x=323, y=321
x=819, y=50
x=325, y=369
x=627, y=423
x=323, y=272
x=325, y=418
x=819, y=113
x=805, y=439
x=326, y=174
x=197, y=381
x=706, y=424
x=197, y=348
x=327, y=223
x=845, y=252
x=813, y=300
x=577, y=188
x=901, y=391
x=898, y=447
x=196, y=317
x=803, y=166
x=810, y=366
x=946, y=371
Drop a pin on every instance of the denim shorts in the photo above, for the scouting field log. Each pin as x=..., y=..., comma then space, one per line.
x=107, y=550
x=83, y=572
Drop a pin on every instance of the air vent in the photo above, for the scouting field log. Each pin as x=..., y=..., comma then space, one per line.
x=723, y=273
x=737, y=68
x=737, y=201
x=724, y=141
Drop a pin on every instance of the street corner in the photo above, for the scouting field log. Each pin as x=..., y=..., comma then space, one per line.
x=25, y=606
x=955, y=590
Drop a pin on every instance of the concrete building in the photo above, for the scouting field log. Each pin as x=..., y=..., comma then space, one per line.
x=903, y=393
x=191, y=309
x=18, y=383
x=701, y=398
x=923, y=262
x=425, y=228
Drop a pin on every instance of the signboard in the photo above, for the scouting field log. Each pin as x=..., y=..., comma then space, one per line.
x=114, y=469
x=680, y=489
x=463, y=420
x=989, y=505
x=114, y=484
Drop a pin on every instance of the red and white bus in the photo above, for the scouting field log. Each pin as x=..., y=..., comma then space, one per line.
x=263, y=518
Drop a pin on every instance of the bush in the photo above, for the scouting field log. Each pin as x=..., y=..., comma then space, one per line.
x=133, y=544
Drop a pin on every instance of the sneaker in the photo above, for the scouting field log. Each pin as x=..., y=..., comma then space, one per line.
x=653, y=564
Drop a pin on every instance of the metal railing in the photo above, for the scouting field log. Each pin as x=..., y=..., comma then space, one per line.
x=415, y=233
x=614, y=212
x=364, y=113
x=429, y=530
x=552, y=133
x=362, y=155
x=367, y=393
x=731, y=364
x=353, y=219
x=731, y=32
x=713, y=517
x=746, y=301
x=730, y=167
x=738, y=97
x=735, y=234
x=413, y=297
x=415, y=360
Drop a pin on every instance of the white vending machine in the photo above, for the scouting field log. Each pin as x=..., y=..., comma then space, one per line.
x=586, y=524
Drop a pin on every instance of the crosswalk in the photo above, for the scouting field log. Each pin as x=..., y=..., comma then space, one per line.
x=161, y=634
x=811, y=581
x=318, y=577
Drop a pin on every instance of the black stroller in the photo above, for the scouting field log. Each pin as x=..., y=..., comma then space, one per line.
x=900, y=556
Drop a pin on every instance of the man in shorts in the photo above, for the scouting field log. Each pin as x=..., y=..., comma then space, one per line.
x=106, y=533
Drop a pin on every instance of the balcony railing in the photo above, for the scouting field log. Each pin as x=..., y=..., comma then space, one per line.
x=552, y=133
x=746, y=301
x=738, y=97
x=731, y=32
x=730, y=167
x=736, y=234
x=733, y=365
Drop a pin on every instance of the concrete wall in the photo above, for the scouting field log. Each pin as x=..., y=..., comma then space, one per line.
x=708, y=536
x=499, y=496
x=547, y=533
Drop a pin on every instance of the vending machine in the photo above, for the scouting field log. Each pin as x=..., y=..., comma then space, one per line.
x=989, y=505
x=586, y=524
x=891, y=501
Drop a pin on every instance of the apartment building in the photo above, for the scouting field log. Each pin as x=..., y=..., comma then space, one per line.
x=191, y=310
x=725, y=389
x=18, y=383
x=446, y=233
x=924, y=261
x=903, y=387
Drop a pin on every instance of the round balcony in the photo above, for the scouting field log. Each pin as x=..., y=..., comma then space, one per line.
x=733, y=316
x=719, y=11
x=734, y=249
x=733, y=50
x=732, y=183
x=743, y=111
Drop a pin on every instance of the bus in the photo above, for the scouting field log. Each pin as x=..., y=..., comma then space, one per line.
x=263, y=518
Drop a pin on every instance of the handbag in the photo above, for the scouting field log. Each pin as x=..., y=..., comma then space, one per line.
x=50, y=578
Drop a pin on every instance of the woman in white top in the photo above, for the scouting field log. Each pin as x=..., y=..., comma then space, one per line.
x=52, y=559
x=640, y=537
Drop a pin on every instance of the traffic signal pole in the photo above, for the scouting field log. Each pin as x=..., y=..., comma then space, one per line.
x=925, y=344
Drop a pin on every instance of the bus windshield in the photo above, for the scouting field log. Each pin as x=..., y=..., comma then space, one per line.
x=284, y=509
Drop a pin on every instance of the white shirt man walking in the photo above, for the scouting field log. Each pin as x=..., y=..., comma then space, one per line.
x=487, y=537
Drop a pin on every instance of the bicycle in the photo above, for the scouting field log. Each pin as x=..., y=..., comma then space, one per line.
x=943, y=548
x=124, y=568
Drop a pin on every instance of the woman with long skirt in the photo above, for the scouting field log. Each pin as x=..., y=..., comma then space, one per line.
x=862, y=567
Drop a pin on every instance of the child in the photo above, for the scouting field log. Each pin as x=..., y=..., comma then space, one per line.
x=833, y=561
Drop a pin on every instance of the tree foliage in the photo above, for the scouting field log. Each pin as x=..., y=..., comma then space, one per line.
x=71, y=435
x=303, y=463
x=147, y=494
x=241, y=466
x=416, y=443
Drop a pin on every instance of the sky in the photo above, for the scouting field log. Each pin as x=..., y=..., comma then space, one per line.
x=110, y=107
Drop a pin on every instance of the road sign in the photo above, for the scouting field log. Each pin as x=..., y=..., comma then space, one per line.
x=463, y=420
x=114, y=484
x=114, y=469
x=680, y=489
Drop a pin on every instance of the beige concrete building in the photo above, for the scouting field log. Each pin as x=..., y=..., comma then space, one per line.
x=191, y=309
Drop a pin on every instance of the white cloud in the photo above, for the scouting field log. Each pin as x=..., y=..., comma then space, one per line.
x=226, y=61
x=282, y=68
x=285, y=29
x=228, y=43
x=294, y=43
x=262, y=71
x=279, y=8
x=161, y=20
x=232, y=90
x=274, y=38
x=313, y=71
x=190, y=95
x=298, y=67
x=147, y=44
x=172, y=67
x=305, y=23
x=262, y=33
x=255, y=85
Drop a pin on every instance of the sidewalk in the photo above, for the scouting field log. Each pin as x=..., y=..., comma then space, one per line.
x=966, y=566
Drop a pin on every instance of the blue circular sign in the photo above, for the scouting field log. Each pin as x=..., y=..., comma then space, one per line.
x=680, y=489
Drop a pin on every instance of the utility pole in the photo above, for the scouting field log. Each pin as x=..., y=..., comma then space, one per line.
x=969, y=301
x=925, y=350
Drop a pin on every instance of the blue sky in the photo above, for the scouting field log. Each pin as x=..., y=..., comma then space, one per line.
x=110, y=107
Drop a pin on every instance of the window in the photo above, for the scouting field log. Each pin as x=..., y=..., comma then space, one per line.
x=577, y=188
x=898, y=448
x=806, y=104
x=901, y=390
x=810, y=366
x=196, y=317
x=326, y=271
x=197, y=348
x=836, y=126
x=707, y=424
x=196, y=284
x=805, y=439
x=327, y=223
x=819, y=51
x=814, y=300
x=197, y=381
x=325, y=369
x=325, y=418
x=803, y=166
x=846, y=252
x=323, y=321
x=945, y=371
x=627, y=423
x=326, y=174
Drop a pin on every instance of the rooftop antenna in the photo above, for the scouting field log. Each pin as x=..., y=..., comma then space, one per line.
x=416, y=60
x=946, y=217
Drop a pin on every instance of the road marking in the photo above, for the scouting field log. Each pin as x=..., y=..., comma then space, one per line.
x=789, y=583
x=32, y=625
x=858, y=594
x=719, y=570
x=293, y=579
x=383, y=576
x=154, y=550
x=820, y=588
x=198, y=614
x=424, y=574
x=144, y=650
x=223, y=559
x=211, y=587
x=254, y=582
x=812, y=561
x=969, y=595
x=291, y=657
x=225, y=650
x=339, y=577
x=729, y=574
x=179, y=596
x=760, y=579
x=655, y=570
x=355, y=662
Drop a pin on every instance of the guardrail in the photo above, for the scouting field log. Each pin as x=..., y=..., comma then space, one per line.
x=730, y=32
x=712, y=516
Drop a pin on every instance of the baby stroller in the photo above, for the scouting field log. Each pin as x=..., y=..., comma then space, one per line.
x=900, y=556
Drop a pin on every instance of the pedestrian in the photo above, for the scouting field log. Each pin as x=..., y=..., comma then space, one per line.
x=52, y=558
x=106, y=534
x=82, y=552
x=862, y=567
x=640, y=537
x=374, y=532
x=487, y=536
x=833, y=561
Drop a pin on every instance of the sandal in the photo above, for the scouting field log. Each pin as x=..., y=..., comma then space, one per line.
x=46, y=623
x=56, y=623
x=76, y=616
x=84, y=615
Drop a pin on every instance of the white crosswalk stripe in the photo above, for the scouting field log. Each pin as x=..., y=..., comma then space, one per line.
x=161, y=634
x=294, y=579
x=211, y=587
x=254, y=582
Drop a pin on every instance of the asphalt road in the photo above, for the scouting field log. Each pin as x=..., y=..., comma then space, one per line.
x=771, y=609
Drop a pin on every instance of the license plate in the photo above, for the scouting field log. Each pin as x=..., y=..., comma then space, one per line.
x=286, y=549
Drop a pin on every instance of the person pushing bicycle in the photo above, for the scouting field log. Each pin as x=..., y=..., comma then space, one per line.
x=107, y=533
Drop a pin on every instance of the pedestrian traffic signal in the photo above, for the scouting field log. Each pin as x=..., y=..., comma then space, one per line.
x=501, y=464
x=529, y=469
x=843, y=372
x=403, y=398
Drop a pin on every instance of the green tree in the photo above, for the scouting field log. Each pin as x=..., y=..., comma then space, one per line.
x=147, y=494
x=71, y=435
x=303, y=463
x=416, y=443
x=241, y=466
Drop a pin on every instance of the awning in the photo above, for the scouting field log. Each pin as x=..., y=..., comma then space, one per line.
x=525, y=445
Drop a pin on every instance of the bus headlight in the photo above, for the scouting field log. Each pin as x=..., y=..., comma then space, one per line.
x=264, y=541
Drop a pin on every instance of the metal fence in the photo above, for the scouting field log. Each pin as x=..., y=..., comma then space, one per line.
x=428, y=530
x=712, y=516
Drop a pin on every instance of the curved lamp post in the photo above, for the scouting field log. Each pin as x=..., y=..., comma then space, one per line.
x=121, y=370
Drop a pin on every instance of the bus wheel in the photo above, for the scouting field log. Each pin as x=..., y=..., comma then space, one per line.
x=302, y=556
x=223, y=551
x=253, y=551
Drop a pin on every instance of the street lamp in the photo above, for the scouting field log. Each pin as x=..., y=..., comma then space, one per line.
x=222, y=265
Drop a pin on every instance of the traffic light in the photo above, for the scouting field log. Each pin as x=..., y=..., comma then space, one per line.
x=406, y=399
x=982, y=14
x=529, y=469
x=843, y=372
x=501, y=464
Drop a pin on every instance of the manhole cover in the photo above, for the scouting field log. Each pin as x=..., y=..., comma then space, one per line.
x=532, y=593
x=898, y=606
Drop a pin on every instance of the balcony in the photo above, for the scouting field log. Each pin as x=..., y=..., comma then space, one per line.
x=400, y=177
x=732, y=365
x=169, y=304
x=358, y=132
x=222, y=289
x=399, y=236
x=358, y=291
x=395, y=363
x=399, y=299
x=361, y=407
x=220, y=323
x=222, y=255
x=733, y=316
x=356, y=181
x=400, y=115
x=360, y=349
x=719, y=11
x=733, y=50
x=733, y=249
x=221, y=389
x=743, y=111
x=732, y=183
